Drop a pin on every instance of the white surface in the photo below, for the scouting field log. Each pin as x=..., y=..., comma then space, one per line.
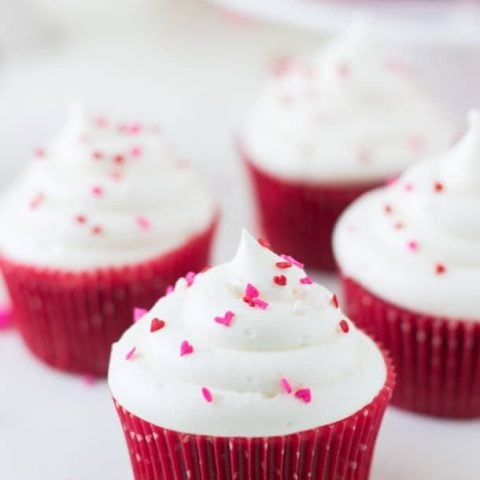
x=437, y=21
x=196, y=71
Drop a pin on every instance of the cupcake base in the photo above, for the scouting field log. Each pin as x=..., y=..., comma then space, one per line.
x=437, y=360
x=341, y=450
x=70, y=319
x=299, y=218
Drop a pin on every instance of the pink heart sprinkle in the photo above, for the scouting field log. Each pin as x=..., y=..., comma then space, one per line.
x=170, y=289
x=97, y=191
x=261, y=304
x=190, y=278
x=304, y=394
x=138, y=313
x=207, y=394
x=185, y=348
x=226, y=319
x=251, y=291
x=286, y=386
x=306, y=280
x=131, y=353
x=143, y=222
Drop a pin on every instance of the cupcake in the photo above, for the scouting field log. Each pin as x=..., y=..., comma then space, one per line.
x=249, y=371
x=329, y=127
x=100, y=223
x=409, y=255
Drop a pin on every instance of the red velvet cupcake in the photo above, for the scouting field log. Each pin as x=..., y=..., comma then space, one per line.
x=328, y=128
x=100, y=223
x=249, y=370
x=409, y=255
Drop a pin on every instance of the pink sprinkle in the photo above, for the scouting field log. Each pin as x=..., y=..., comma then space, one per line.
x=190, y=278
x=306, y=280
x=97, y=191
x=408, y=187
x=136, y=151
x=115, y=175
x=170, y=289
x=89, y=380
x=134, y=128
x=412, y=245
x=207, y=394
x=101, y=122
x=138, y=313
x=131, y=353
x=97, y=230
x=261, y=304
x=287, y=387
x=417, y=143
x=280, y=66
x=37, y=201
x=5, y=318
x=39, y=152
x=290, y=259
x=304, y=394
x=185, y=348
x=143, y=222
x=96, y=155
x=226, y=319
x=251, y=291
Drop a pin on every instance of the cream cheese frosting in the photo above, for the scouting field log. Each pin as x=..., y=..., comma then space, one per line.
x=248, y=348
x=103, y=194
x=416, y=243
x=348, y=113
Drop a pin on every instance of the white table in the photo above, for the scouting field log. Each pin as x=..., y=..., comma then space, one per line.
x=195, y=70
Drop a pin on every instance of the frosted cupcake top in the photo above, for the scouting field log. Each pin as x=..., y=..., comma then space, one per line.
x=416, y=243
x=102, y=194
x=346, y=114
x=252, y=347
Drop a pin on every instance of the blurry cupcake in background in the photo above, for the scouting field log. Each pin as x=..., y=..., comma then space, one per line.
x=410, y=259
x=100, y=223
x=329, y=127
x=250, y=371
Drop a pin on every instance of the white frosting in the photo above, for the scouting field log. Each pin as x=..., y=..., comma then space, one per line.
x=349, y=113
x=135, y=202
x=436, y=205
x=297, y=337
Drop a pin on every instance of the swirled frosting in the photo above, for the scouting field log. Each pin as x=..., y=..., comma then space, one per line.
x=102, y=194
x=349, y=113
x=250, y=348
x=416, y=243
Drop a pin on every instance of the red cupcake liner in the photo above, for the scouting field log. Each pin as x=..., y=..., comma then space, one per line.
x=298, y=218
x=342, y=450
x=70, y=319
x=437, y=359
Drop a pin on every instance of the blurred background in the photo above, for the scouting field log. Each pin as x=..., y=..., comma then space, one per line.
x=195, y=67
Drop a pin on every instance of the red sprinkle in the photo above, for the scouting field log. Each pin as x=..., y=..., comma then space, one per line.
x=264, y=243
x=207, y=394
x=280, y=280
x=82, y=219
x=440, y=269
x=286, y=386
x=304, y=394
x=398, y=226
x=185, y=348
x=283, y=265
x=438, y=187
x=306, y=280
x=96, y=155
x=344, y=326
x=97, y=230
x=334, y=301
x=119, y=159
x=131, y=353
x=156, y=325
x=226, y=319
x=388, y=209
